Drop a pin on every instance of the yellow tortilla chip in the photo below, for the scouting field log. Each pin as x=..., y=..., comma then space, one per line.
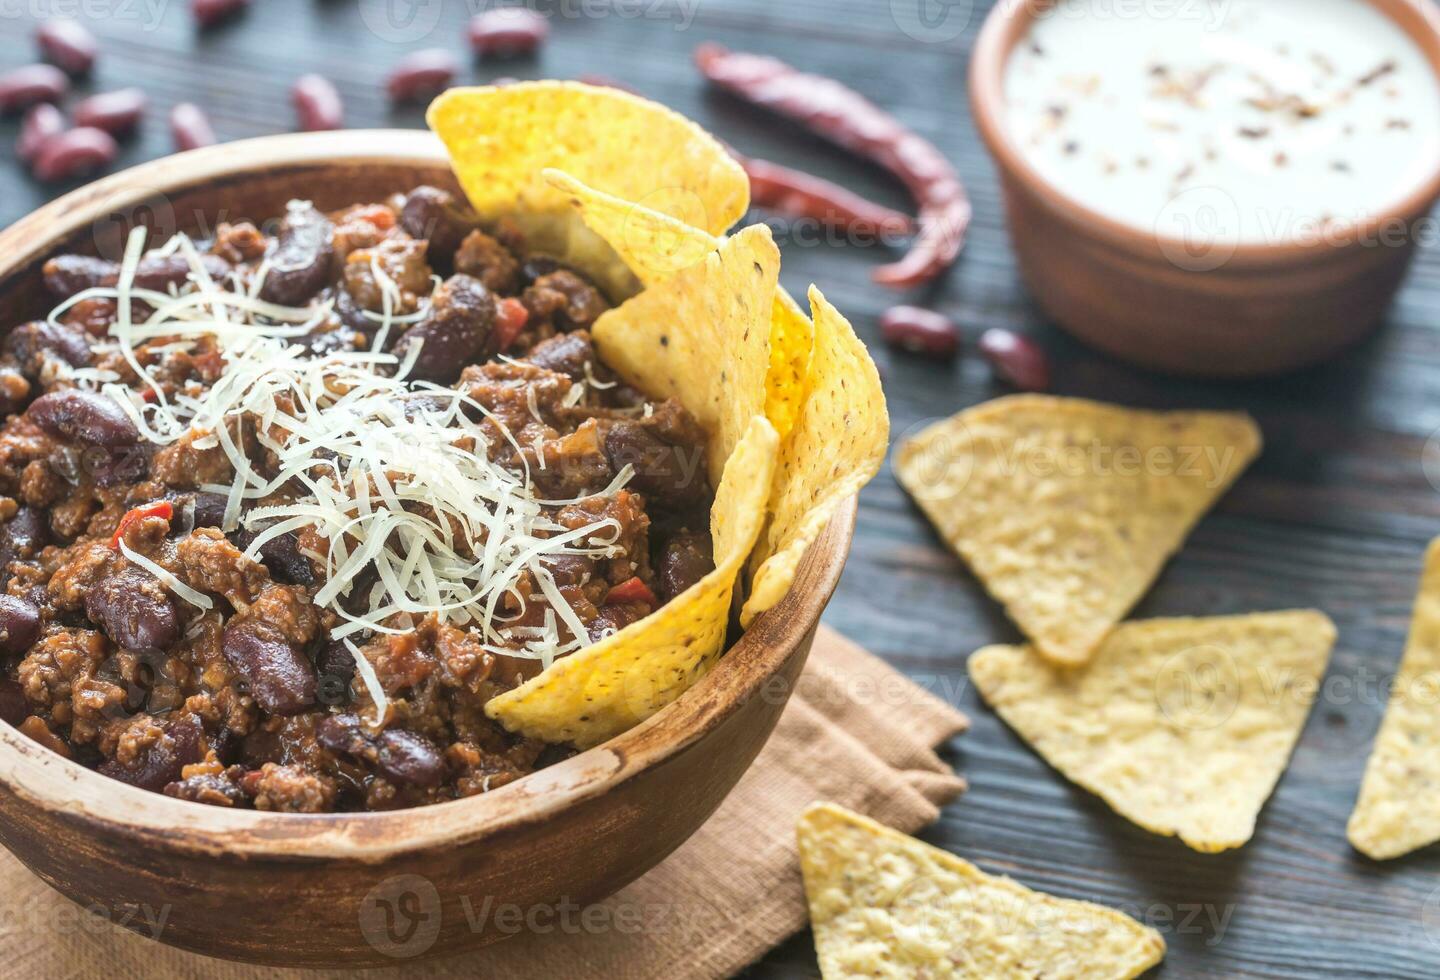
x=1067, y=509
x=501, y=139
x=837, y=445
x=702, y=337
x=604, y=689
x=656, y=247
x=1399, y=806
x=1183, y=726
x=886, y=905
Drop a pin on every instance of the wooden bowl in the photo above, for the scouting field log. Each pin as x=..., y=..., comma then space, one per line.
x=364, y=889
x=1194, y=307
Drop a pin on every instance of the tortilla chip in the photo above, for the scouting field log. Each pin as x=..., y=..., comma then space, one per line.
x=1399, y=806
x=656, y=247
x=606, y=688
x=837, y=445
x=500, y=139
x=1067, y=509
x=886, y=905
x=702, y=337
x=1183, y=726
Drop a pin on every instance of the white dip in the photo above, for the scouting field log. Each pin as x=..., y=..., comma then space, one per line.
x=1253, y=121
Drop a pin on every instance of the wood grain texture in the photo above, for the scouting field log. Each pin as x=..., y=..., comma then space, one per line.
x=1335, y=514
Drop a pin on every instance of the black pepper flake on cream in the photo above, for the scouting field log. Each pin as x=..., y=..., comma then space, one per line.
x=1254, y=132
x=1376, y=73
x=1071, y=148
x=1397, y=124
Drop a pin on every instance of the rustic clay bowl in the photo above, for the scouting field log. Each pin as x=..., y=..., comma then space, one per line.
x=1193, y=307
x=364, y=889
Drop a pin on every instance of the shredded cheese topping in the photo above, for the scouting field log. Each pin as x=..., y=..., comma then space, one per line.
x=398, y=493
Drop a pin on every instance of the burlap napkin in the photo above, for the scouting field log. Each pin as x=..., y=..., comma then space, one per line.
x=856, y=733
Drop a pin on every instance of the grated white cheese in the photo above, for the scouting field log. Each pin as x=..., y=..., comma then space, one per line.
x=410, y=500
x=197, y=599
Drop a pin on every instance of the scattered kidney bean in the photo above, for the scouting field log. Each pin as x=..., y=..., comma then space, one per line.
x=23, y=87
x=317, y=103
x=300, y=263
x=74, y=152
x=456, y=331
x=1016, y=358
x=920, y=331
x=21, y=538
x=435, y=215
x=83, y=416
x=190, y=127
x=281, y=679
x=118, y=112
x=41, y=124
x=408, y=759
x=848, y=119
x=19, y=624
x=67, y=44
x=801, y=195
x=33, y=345
x=507, y=31
x=134, y=611
x=210, y=12
x=420, y=75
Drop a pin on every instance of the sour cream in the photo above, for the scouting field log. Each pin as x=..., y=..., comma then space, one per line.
x=1255, y=121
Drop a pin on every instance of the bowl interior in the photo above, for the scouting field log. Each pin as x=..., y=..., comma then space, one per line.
x=252, y=180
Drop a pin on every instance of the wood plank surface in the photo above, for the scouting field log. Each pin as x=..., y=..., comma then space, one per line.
x=1336, y=513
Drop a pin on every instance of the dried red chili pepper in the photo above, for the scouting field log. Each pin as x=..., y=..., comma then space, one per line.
x=801, y=195
x=848, y=119
x=631, y=590
x=161, y=508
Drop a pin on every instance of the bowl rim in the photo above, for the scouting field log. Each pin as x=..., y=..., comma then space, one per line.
x=73, y=792
x=1005, y=27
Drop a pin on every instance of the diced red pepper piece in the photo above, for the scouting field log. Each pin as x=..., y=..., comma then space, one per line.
x=631, y=590
x=161, y=508
x=510, y=318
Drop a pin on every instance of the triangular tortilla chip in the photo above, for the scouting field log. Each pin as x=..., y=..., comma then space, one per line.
x=1399, y=806
x=1067, y=509
x=501, y=138
x=657, y=247
x=885, y=905
x=838, y=444
x=1181, y=725
x=606, y=688
x=702, y=337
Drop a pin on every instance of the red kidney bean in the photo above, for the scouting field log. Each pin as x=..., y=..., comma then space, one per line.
x=118, y=112
x=83, y=416
x=182, y=745
x=920, y=330
x=21, y=538
x=23, y=87
x=19, y=624
x=664, y=473
x=281, y=679
x=66, y=275
x=1016, y=358
x=420, y=75
x=508, y=31
x=134, y=610
x=35, y=344
x=435, y=215
x=74, y=152
x=41, y=124
x=301, y=263
x=455, y=332
x=317, y=103
x=13, y=706
x=210, y=12
x=67, y=44
x=160, y=272
x=403, y=757
x=190, y=127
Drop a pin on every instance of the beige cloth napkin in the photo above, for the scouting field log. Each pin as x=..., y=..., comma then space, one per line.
x=856, y=733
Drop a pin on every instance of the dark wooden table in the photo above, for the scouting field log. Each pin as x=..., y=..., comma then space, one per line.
x=1334, y=515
